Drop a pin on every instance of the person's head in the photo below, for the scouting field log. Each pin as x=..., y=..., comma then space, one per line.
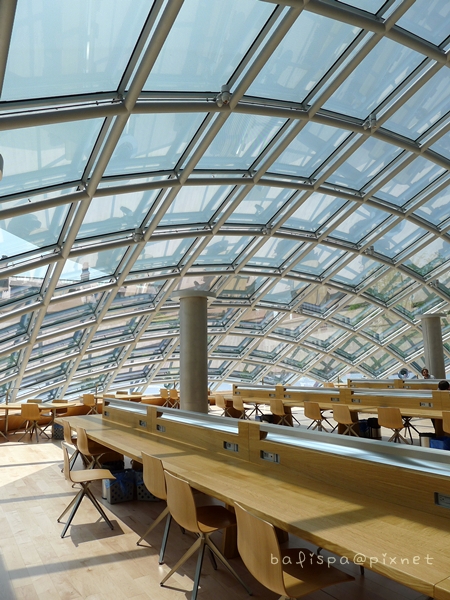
x=425, y=373
x=443, y=385
x=403, y=372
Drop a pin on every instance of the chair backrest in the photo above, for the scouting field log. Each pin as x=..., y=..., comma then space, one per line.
x=341, y=414
x=181, y=503
x=164, y=393
x=82, y=441
x=312, y=411
x=33, y=401
x=122, y=392
x=30, y=412
x=277, y=407
x=446, y=421
x=259, y=549
x=68, y=433
x=66, y=469
x=220, y=401
x=173, y=394
x=59, y=401
x=89, y=399
x=238, y=404
x=390, y=417
x=153, y=474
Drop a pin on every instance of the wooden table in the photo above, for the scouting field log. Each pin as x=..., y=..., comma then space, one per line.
x=44, y=406
x=409, y=546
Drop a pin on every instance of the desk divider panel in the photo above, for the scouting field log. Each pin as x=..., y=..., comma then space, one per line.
x=412, y=477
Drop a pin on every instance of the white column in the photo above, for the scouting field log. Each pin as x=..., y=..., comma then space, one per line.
x=193, y=349
x=432, y=344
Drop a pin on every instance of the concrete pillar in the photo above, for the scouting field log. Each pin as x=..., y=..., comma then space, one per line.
x=193, y=349
x=432, y=344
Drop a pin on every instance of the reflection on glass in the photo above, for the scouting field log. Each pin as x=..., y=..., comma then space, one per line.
x=355, y=272
x=398, y=239
x=428, y=20
x=241, y=286
x=303, y=57
x=318, y=260
x=359, y=224
x=165, y=253
x=90, y=266
x=379, y=73
x=436, y=210
x=274, y=253
x=195, y=205
x=284, y=292
x=429, y=258
x=222, y=249
x=314, y=212
x=260, y=205
x=222, y=32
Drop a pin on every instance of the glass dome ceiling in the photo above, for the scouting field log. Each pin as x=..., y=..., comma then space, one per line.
x=292, y=157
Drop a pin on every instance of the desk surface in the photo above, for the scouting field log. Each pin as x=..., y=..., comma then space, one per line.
x=347, y=523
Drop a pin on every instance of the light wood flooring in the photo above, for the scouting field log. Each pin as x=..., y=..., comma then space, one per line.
x=95, y=563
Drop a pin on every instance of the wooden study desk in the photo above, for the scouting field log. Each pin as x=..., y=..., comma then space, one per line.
x=367, y=502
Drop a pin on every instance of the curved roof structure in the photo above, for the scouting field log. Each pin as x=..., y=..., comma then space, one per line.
x=292, y=157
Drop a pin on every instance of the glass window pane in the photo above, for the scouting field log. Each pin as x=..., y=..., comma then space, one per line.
x=390, y=285
x=153, y=142
x=311, y=147
x=195, y=205
x=318, y=260
x=90, y=266
x=409, y=182
x=46, y=155
x=429, y=258
x=239, y=142
x=61, y=48
x=436, y=210
x=274, y=253
x=21, y=286
x=166, y=253
x=222, y=249
x=356, y=271
x=442, y=146
x=241, y=286
x=206, y=44
x=314, y=212
x=386, y=66
x=111, y=214
x=303, y=57
x=428, y=20
x=372, y=6
x=260, y=205
x=359, y=224
x=364, y=164
x=425, y=108
x=284, y=292
x=398, y=239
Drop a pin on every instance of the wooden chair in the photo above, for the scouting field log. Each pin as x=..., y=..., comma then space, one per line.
x=279, y=570
x=31, y=414
x=84, y=478
x=90, y=401
x=281, y=411
x=92, y=451
x=70, y=440
x=174, y=399
x=446, y=421
x=222, y=403
x=391, y=418
x=164, y=393
x=155, y=482
x=239, y=407
x=343, y=416
x=202, y=521
x=63, y=410
x=313, y=412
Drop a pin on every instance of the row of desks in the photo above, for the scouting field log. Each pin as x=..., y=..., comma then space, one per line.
x=313, y=496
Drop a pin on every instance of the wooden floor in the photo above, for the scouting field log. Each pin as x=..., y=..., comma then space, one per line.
x=95, y=563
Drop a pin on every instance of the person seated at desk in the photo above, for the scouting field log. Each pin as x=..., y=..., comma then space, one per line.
x=426, y=374
x=405, y=374
x=443, y=385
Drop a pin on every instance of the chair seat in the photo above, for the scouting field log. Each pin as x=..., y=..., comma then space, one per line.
x=92, y=475
x=313, y=572
x=213, y=517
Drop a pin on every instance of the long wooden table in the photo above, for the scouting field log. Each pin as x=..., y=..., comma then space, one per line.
x=366, y=513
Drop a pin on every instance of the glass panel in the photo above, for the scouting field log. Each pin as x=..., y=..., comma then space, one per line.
x=61, y=48
x=195, y=205
x=246, y=372
x=325, y=336
x=101, y=358
x=241, y=287
x=409, y=182
x=436, y=210
x=359, y=224
x=114, y=330
x=207, y=28
x=314, y=212
x=355, y=312
x=257, y=320
x=318, y=260
x=303, y=57
x=429, y=258
x=384, y=327
x=372, y=6
x=328, y=369
x=408, y=344
x=219, y=317
x=21, y=286
x=29, y=232
x=380, y=364
x=314, y=144
x=222, y=249
x=353, y=348
x=268, y=350
x=294, y=326
x=165, y=321
x=284, y=292
x=398, y=239
x=428, y=20
x=390, y=285
x=90, y=266
x=364, y=164
x=419, y=301
x=165, y=253
x=60, y=344
x=300, y=358
x=73, y=309
x=260, y=205
x=379, y=73
x=149, y=350
x=359, y=269
x=47, y=155
x=322, y=300
x=111, y=214
x=277, y=376
x=233, y=346
x=141, y=296
x=274, y=253
x=239, y=142
x=442, y=146
x=425, y=108
x=153, y=142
